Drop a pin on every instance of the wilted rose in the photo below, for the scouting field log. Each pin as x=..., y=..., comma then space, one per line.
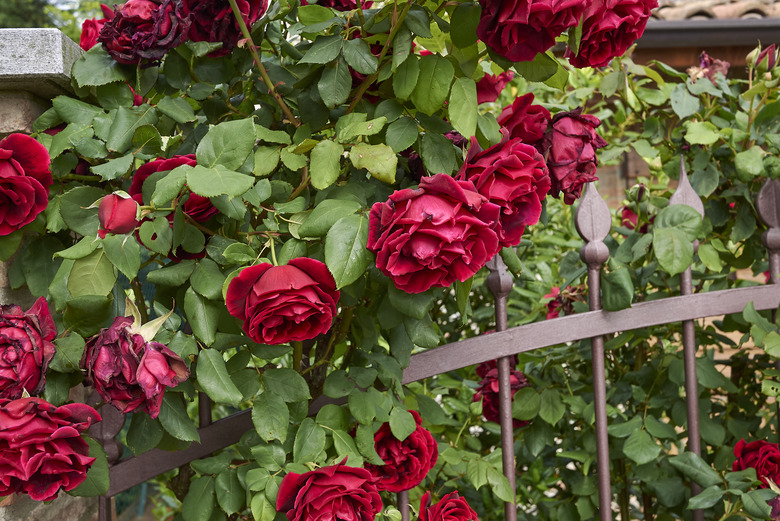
x=41, y=448
x=452, y=507
x=760, y=455
x=213, y=21
x=524, y=120
x=25, y=348
x=278, y=304
x=117, y=214
x=142, y=31
x=512, y=175
x=407, y=462
x=488, y=390
x=129, y=372
x=329, y=493
x=432, y=236
x=609, y=29
x=489, y=87
x=708, y=68
x=570, y=146
x=519, y=29
x=24, y=181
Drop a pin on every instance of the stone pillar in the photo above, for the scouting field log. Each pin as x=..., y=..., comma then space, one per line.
x=34, y=68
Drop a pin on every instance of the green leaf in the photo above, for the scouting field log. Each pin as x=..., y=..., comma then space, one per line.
x=641, y=448
x=272, y=136
x=113, y=169
x=462, y=108
x=144, y=433
x=199, y=502
x=213, y=377
x=335, y=84
x=701, y=133
x=415, y=305
x=287, y=383
x=92, y=275
x=74, y=111
x=202, y=315
x=124, y=252
x=262, y=509
x=172, y=275
x=706, y=498
x=358, y=126
x=625, y=429
x=463, y=24
x=207, y=279
x=227, y=144
x=325, y=215
x=86, y=315
x=526, y=404
x=75, y=212
x=437, y=153
x=673, y=250
x=684, y=104
x=125, y=123
x=174, y=419
x=271, y=417
x=67, y=356
x=325, y=164
x=406, y=77
x=617, y=290
x=660, y=429
x=749, y=163
x=230, y=494
x=345, y=446
x=695, y=468
x=156, y=235
x=325, y=49
x=96, y=483
x=401, y=134
x=218, y=180
x=418, y=22
x=402, y=423
x=433, y=83
x=551, y=408
x=681, y=217
x=364, y=439
x=359, y=57
x=96, y=67
x=147, y=141
x=380, y=160
x=309, y=442
x=266, y=160
x=345, y=249
x=9, y=244
x=756, y=503
x=710, y=257
x=170, y=185
x=177, y=109
x=541, y=68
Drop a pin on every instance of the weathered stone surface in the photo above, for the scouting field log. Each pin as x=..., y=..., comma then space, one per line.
x=18, y=110
x=65, y=507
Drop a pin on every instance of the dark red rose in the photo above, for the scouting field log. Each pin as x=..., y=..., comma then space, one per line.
x=485, y=367
x=406, y=462
x=117, y=214
x=487, y=392
x=25, y=348
x=90, y=30
x=213, y=21
x=519, y=29
x=555, y=306
x=142, y=31
x=524, y=120
x=767, y=59
x=24, y=181
x=609, y=29
x=775, y=504
x=570, y=146
x=432, y=236
x=760, y=455
x=329, y=493
x=512, y=175
x=283, y=303
x=341, y=5
x=489, y=87
x=41, y=448
x=129, y=372
x=629, y=219
x=452, y=507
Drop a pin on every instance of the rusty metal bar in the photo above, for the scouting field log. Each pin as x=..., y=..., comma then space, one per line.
x=403, y=505
x=500, y=284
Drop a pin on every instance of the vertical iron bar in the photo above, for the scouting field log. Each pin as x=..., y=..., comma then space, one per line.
x=204, y=410
x=403, y=505
x=593, y=222
x=500, y=284
x=103, y=503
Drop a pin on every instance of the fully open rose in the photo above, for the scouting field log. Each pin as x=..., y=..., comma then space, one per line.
x=407, y=462
x=488, y=391
x=25, y=348
x=283, y=303
x=524, y=120
x=329, y=493
x=432, y=236
x=760, y=455
x=452, y=507
x=41, y=448
x=213, y=21
x=24, y=181
x=489, y=87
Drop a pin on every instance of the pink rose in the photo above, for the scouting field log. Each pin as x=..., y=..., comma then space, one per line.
x=609, y=29
x=117, y=214
x=25, y=348
x=524, y=120
x=487, y=392
x=282, y=303
x=489, y=87
x=329, y=493
x=452, y=507
x=41, y=448
x=432, y=236
x=213, y=21
x=520, y=29
x=512, y=175
x=24, y=181
x=406, y=462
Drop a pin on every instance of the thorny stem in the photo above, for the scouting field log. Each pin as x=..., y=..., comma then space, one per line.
x=259, y=63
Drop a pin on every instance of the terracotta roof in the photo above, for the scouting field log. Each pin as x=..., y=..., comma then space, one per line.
x=716, y=9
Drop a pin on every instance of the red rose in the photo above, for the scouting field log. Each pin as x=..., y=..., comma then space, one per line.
x=117, y=214
x=213, y=21
x=24, y=181
x=767, y=59
x=452, y=507
x=283, y=303
x=609, y=29
x=329, y=493
x=90, y=30
x=41, y=450
x=512, y=175
x=432, y=236
x=341, y=5
x=25, y=348
x=487, y=392
x=142, y=31
x=555, y=306
x=489, y=87
x=524, y=120
x=129, y=372
x=519, y=29
x=570, y=146
x=406, y=462
x=760, y=455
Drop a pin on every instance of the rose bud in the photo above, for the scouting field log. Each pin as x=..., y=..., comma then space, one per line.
x=24, y=181
x=25, y=348
x=335, y=492
x=279, y=304
x=489, y=87
x=117, y=214
x=767, y=59
x=760, y=455
x=42, y=448
x=407, y=462
x=452, y=507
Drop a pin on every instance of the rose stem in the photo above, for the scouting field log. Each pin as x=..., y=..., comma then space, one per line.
x=297, y=354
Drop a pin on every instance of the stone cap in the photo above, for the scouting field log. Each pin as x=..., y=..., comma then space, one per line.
x=37, y=61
